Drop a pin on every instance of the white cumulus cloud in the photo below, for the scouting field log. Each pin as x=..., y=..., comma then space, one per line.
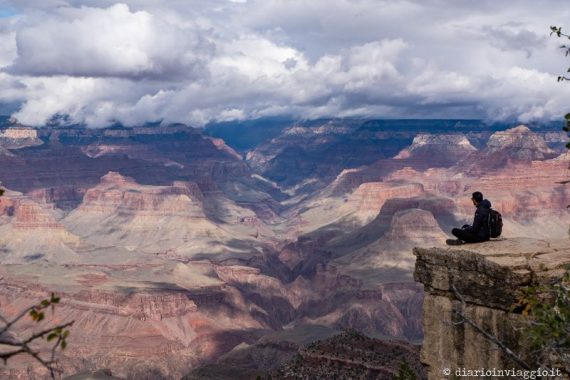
x=107, y=42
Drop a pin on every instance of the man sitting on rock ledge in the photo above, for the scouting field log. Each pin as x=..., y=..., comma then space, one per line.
x=479, y=231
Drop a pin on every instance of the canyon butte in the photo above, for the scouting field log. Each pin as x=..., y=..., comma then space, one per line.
x=193, y=252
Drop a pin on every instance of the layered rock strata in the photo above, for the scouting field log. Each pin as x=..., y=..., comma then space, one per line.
x=489, y=277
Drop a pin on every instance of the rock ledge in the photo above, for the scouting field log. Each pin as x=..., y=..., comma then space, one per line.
x=489, y=276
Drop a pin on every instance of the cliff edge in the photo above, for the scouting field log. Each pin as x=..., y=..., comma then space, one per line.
x=489, y=277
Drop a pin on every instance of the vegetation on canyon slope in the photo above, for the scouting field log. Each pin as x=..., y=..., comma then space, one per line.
x=546, y=330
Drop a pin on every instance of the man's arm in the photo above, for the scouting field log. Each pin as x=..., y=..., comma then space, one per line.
x=477, y=222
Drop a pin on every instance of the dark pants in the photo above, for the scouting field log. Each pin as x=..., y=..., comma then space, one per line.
x=467, y=236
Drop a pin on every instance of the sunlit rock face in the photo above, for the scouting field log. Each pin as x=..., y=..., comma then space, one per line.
x=415, y=225
x=521, y=143
x=438, y=150
x=515, y=145
x=32, y=231
x=19, y=137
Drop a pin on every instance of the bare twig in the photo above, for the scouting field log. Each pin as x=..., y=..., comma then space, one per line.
x=22, y=346
x=47, y=331
x=18, y=317
x=7, y=355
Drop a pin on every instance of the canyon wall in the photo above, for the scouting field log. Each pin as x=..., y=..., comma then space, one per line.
x=489, y=277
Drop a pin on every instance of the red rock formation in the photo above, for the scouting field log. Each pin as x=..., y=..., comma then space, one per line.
x=99, y=150
x=416, y=226
x=133, y=331
x=30, y=215
x=140, y=305
x=373, y=195
x=342, y=301
x=522, y=144
x=346, y=181
x=426, y=152
x=119, y=192
x=32, y=231
x=19, y=137
x=65, y=197
x=518, y=144
x=24, y=213
x=221, y=145
x=437, y=150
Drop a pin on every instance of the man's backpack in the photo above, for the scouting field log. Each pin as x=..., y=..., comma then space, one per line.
x=495, y=223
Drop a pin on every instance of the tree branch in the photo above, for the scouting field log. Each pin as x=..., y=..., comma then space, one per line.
x=47, y=331
x=20, y=316
x=7, y=355
x=22, y=346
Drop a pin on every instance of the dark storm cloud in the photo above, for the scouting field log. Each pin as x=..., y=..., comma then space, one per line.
x=198, y=61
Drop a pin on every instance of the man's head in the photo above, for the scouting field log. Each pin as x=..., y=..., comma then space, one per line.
x=477, y=197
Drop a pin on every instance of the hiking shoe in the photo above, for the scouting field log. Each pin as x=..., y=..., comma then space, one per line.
x=454, y=242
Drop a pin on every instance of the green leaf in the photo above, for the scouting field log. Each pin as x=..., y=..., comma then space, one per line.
x=63, y=344
x=44, y=303
x=567, y=116
x=51, y=337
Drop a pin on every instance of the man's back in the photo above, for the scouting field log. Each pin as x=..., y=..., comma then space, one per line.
x=480, y=225
x=479, y=231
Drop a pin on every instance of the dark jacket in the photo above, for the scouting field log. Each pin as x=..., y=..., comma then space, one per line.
x=481, y=220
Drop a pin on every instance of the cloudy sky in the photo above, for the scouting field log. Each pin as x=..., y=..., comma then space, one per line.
x=97, y=62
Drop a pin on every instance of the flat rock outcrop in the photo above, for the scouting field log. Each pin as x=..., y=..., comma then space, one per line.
x=414, y=224
x=489, y=276
x=442, y=150
x=19, y=137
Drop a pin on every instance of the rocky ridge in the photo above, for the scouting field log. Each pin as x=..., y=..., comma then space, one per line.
x=518, y=144
x=351, y=355
x=439, y=150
